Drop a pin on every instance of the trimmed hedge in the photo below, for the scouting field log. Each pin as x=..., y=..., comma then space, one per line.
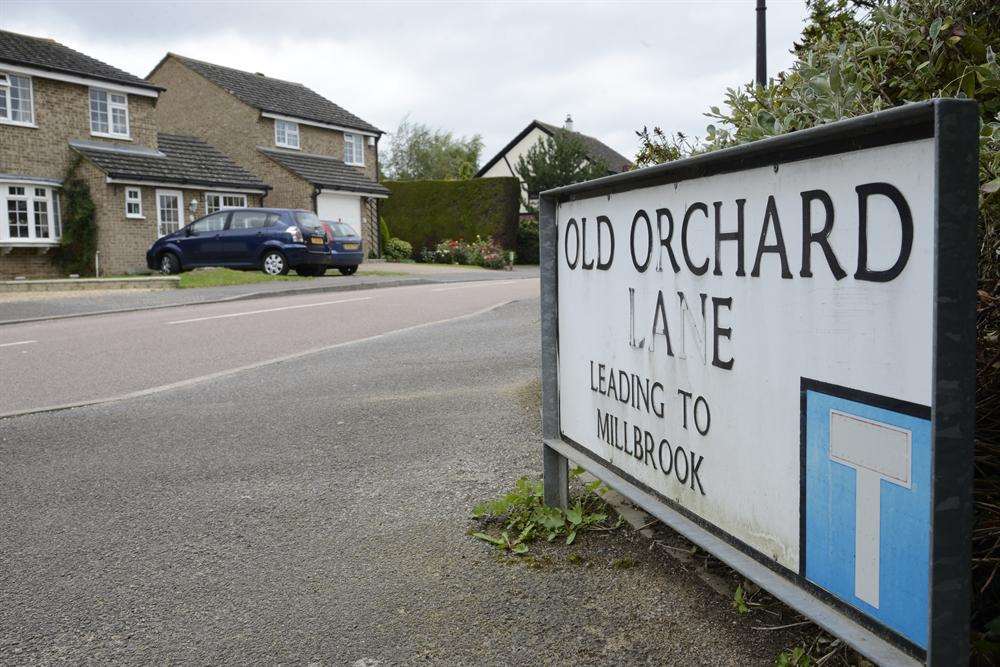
x=428, y=212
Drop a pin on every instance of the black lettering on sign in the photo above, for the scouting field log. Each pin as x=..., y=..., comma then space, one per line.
x=721, y=332
x=571, y=224
x=906, y=227
x=696, y=270
x=583, y=233
x=662, y=213
x=778, y=247
x=644, y=264
x=604, y=223
x=820, y=238
x=737, y=236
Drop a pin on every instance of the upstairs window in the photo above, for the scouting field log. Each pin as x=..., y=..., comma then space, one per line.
x=108, y=114
x=133, y=203
x=16, y=103
x=286, y=134
x=354, y=149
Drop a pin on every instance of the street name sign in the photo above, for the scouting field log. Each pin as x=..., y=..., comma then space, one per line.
x=771, y=348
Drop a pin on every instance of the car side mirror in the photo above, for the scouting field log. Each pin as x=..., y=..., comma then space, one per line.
x=188, y=231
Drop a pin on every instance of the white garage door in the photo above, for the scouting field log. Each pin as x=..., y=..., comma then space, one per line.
x=345, y=208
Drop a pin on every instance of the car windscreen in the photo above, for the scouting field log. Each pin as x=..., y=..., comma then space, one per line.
x=308, y=220
x=341, y=230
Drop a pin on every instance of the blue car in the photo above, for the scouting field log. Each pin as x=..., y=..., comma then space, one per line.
x=273, y=240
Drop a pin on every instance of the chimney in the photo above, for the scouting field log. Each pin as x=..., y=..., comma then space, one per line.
x=568, y=123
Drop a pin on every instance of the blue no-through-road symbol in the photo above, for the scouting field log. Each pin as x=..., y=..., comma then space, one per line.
x=867, y=504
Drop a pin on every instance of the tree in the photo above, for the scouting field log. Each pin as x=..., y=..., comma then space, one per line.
x=418, y=152
x=556, y=160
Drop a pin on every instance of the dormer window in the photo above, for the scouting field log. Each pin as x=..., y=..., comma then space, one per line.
x=286, y=134
x=354, y=149
x=16, y=103
x=108, y=114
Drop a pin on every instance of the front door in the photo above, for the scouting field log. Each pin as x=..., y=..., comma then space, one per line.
x=169, y=211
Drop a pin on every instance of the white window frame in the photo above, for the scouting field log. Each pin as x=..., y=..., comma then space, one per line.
x=180, y=211
x=50, y=198
x=137, y=200
x=8, y=109
x=354, y=140
x=286, y=126
x=112, y=106
x=222, y=198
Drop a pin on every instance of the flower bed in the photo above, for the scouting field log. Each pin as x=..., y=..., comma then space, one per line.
x=481, y=252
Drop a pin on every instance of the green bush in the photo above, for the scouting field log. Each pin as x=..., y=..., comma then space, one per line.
x=428, y=212
x=397, y=250
x=527, y=241
x=78, y=246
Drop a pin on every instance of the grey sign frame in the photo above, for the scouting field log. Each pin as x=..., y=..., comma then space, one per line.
x=954, y=126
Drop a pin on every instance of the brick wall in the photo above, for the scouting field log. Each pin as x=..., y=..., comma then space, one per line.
x=62, y=113
x=123, y=241
x=193, y=105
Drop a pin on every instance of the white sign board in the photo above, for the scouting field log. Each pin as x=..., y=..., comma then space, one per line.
x=756, y=348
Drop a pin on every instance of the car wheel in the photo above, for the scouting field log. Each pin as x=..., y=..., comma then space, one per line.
x=274, y=263
x=349, y=270
x=169, y=264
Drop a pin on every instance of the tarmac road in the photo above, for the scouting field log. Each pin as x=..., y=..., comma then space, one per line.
x=59, y=362
x=315, y=512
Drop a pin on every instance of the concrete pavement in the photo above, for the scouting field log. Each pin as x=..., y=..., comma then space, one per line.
x=314, y=511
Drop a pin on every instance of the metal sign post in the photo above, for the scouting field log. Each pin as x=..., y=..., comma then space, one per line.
x=771, y=349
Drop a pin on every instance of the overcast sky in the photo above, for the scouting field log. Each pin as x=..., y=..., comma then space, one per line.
x=472, y=68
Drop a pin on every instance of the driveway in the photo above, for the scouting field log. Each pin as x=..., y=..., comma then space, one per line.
x=315, y=512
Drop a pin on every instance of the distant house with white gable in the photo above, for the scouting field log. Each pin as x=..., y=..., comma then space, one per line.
x=504, y=163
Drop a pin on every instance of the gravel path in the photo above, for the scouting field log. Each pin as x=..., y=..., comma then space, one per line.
x=315, y=511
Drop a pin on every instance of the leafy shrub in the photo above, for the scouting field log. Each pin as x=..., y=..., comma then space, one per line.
x=523, y=517
x=527, y=241
x=76, y=250
x=427, y=212
x=397, y=250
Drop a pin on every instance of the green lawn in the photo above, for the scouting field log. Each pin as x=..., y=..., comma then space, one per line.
x=223, y=277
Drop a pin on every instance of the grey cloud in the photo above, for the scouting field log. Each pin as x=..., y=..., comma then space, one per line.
x=485, y=68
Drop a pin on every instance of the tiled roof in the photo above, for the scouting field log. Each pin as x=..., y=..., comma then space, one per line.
x=596, y=149
x=180, y=160
x=326, y=172
x=43, y=53
x=276, y=96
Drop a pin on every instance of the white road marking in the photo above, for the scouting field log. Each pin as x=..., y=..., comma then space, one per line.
x=481, y=283
x=242, y=369
x=20, y=342
x=269, y=310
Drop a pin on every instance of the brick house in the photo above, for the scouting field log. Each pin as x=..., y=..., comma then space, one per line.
x=63, y=110
x=314, y=154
